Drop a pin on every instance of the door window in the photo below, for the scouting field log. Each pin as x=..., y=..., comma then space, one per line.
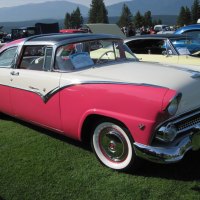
x=193, y=33
x=33, y=58
x=7, y=57
x=147, y=46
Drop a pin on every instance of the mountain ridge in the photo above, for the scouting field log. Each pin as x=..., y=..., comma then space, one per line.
x=58, y=9
x=48, y=9
x=169, y=7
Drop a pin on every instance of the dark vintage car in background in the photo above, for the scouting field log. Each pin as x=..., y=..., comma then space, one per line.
x=23, y=32
x=92, y=88
x=166, y=48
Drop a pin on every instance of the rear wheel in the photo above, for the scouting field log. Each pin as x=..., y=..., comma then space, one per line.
x=113, y=146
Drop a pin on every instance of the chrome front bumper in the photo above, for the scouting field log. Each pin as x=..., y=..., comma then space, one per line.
x=188, y=137
x=164, y=154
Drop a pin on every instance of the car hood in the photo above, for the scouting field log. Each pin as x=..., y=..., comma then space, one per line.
x=182, y=80
x=192, y=62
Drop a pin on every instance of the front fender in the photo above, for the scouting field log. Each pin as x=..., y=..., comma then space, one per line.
x=139, y=108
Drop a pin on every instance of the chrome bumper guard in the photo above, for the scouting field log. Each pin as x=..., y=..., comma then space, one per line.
x=163, y=154
x=169, y=154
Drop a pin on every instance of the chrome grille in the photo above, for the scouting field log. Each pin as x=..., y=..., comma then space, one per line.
x=188, y=123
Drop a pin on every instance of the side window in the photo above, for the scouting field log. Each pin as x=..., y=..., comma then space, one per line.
x=194, y=33
x=73, y=56
x=145, y=46
x=7, y=57
x=33, y=58
x=155, y=46
x=48, y=58
x=137, y=46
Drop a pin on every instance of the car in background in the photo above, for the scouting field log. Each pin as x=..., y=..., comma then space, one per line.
x=6, y=38
x=161, y=28
x=166, y=48
x=23, y=32
x=90, y=87
x=70, y=31
x=192, y=30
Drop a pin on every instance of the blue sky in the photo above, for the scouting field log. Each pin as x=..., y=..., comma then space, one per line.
x=9, y=3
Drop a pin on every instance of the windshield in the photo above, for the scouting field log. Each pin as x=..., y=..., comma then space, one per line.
x=187, y=46
x=86, y=54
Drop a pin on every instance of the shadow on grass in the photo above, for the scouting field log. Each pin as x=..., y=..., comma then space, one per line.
x=188, y=169
x=50, y=133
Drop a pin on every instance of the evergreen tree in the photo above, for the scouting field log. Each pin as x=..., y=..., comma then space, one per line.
x=195, y=11
x=67, y=21
x=76, y=18
x=73, y=20
x=148, y=19
x=181, y=17
x=126, y=17
x=187, y=16
x=138, y=20
x=184, y=17
x=98, y=12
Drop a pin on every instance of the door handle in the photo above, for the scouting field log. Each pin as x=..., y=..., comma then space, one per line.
x=13, y=73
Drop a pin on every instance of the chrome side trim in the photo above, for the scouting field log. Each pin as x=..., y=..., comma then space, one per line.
x=54, y=91
x=164, y=154
x=49, y=95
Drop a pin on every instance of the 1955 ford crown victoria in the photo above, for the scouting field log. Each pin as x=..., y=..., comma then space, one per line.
x=92, y=88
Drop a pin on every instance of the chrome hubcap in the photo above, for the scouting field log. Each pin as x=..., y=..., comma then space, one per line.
x=113, y=144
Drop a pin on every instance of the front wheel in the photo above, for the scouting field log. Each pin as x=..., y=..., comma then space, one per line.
x=113, y=146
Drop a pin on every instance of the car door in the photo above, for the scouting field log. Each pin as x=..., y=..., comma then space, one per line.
x=33, y=85
x=6, y=60
x=153, y=50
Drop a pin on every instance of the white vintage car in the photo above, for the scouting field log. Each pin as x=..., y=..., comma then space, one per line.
x=93, y=89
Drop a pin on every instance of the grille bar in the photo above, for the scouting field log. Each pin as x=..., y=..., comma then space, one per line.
x=188, y=123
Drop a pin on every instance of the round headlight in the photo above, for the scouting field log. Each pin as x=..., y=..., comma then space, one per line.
x=173, y=105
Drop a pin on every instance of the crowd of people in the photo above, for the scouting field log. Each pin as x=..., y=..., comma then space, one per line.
x=132, y=31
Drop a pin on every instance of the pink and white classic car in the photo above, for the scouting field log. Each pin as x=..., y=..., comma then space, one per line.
x=93, y=89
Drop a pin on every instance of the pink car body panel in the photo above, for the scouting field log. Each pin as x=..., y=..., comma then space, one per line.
x=5, y=104
x=30, y=106
x=138, y=105
x=67, y=109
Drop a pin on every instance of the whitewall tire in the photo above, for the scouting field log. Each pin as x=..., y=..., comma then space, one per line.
x=113, y=146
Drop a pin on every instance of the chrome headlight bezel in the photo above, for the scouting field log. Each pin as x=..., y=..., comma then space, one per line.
x=167, y=133
x=172, y=107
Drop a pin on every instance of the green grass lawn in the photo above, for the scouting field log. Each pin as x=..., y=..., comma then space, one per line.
x=38, y=164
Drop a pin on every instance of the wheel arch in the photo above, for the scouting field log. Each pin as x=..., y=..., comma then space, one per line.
x=90, y=122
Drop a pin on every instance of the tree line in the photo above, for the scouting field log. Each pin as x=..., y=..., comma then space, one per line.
x=189, y=16
x=99, y=14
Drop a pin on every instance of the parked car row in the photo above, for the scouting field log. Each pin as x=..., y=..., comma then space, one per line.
x=92, y=88
x=166, y=48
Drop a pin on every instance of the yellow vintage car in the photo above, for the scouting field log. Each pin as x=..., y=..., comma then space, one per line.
x=166, y=48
